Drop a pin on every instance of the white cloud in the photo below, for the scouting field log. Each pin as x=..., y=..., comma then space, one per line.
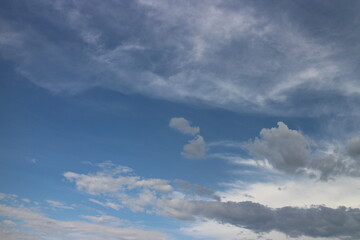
x=183, y=126
x=289, y=151
x=57, y=204
x=104, y=219
x=299, y=192
x=213, y=230
x=234, y=55
x=9, y=222
x=196, y=148
x=120, y=187
x=112, y=180
x=52, y=228
x=16, y=234
x=106, y=204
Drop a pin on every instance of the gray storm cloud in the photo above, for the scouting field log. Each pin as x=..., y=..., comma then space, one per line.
x=316, y=221
x=291, y=152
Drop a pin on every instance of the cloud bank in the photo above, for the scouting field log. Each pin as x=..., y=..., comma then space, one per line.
x=237, y=55
x=43, y=227
x=295, y=222
x=188, y=201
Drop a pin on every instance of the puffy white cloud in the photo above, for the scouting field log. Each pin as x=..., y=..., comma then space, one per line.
x=196, y=148
x=183, y=126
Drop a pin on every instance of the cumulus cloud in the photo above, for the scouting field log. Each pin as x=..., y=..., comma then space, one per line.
x=285, y=149
x=196, y=148
x=183, y=126
x=291, y=152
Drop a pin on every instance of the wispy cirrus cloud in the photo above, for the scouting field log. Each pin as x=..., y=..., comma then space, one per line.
x=35, y=225
x=237, y=55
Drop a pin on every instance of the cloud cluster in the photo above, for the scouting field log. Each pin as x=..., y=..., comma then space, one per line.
x=195, y=148
x=125, y=189
x=113, y=181
x=187, y=201
x=43, y=227
x=238, y=55
x=291, y=152
x=285, y=149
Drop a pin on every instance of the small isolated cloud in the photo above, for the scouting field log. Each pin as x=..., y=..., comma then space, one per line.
x=106, y=204
x=196, y=148
x=104, y=219
x=57, y=204
x=183, y=126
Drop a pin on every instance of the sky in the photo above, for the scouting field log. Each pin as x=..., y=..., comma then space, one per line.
x=174, y=120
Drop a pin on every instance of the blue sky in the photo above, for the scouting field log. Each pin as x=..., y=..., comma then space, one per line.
x=179, y=120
